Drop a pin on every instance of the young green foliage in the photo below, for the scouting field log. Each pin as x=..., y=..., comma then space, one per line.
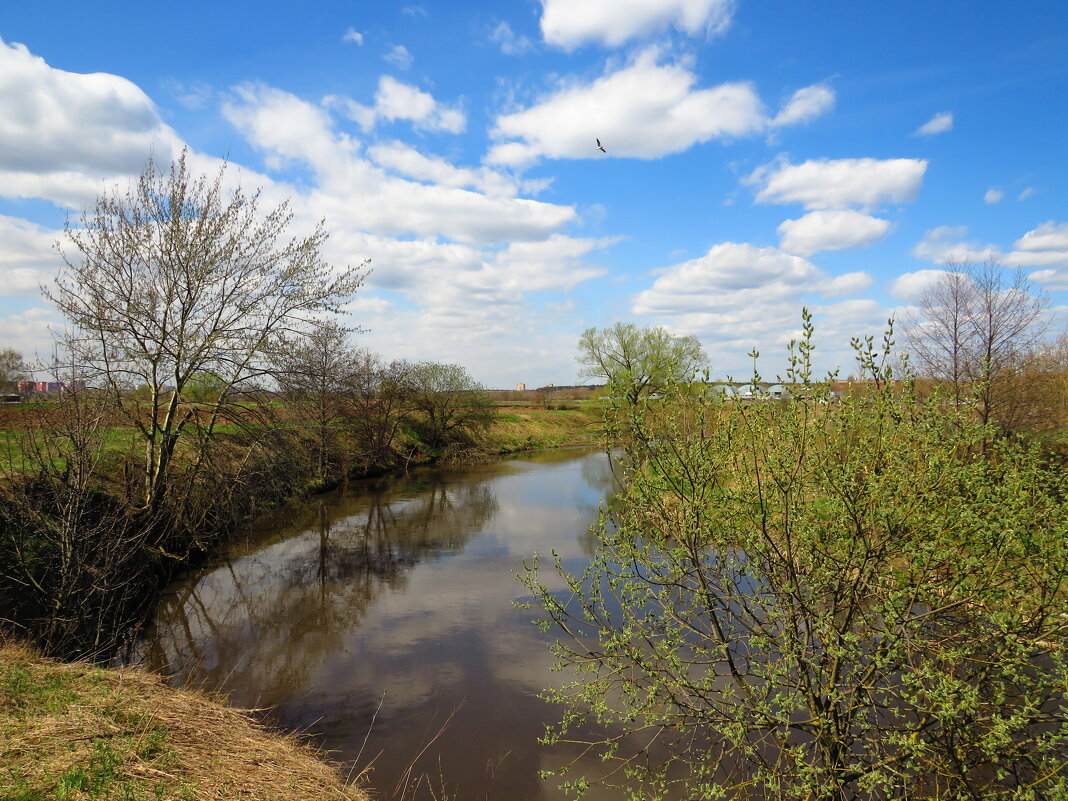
x=822, y=599
x=636, y=362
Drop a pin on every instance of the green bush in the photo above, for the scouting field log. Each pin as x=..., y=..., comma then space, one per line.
x=822, y=600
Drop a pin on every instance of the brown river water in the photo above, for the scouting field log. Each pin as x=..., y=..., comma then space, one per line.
x=380, y=621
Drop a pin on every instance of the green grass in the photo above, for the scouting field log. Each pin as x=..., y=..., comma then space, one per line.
x=28, y=694
x=541, y=428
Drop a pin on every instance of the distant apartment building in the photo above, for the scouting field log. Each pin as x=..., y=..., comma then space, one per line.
x=48, y=387
x=520, y=387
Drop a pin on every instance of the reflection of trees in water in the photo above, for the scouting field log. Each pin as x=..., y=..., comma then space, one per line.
x=283, y=626
x=262, y=623
x=604, y=475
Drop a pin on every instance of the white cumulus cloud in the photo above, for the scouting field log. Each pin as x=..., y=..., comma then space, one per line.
x=62, y=133
x=1043, y=249
x=738, y=296
x=947, y=243
x=1048, y=236
x=352, y=191
x=739, y=275
x=30, y=331
x=408, y=161
x=570, y=23
x=938, y=124
x=1046, y=247
x=866, y=183
x=992, y=196
x=553, y=263
x=353, y=35
x=910, y=286
x=645, y=109
x=396, y=100
x=831, y=230
x=27, y=257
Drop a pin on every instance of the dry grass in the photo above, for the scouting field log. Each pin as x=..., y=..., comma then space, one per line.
x=75, y=731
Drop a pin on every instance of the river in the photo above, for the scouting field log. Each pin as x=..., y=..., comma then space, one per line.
x=379, y=620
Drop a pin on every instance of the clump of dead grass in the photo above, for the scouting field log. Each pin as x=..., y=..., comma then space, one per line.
x=76, y=731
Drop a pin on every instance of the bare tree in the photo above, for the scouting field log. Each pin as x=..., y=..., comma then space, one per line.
x=1008, y=322
x=316, y=373
x=176, y=278
x=976, y=326
x=941, y=341
x=378, y=403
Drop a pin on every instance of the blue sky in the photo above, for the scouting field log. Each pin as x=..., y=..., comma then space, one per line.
x=761, y=156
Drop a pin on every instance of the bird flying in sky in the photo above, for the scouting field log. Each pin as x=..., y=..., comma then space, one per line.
x=601, y=147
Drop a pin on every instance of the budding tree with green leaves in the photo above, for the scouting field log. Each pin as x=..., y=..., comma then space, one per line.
x=636, y=361
x=12, y=370
x=446, y=402
x=825, y=599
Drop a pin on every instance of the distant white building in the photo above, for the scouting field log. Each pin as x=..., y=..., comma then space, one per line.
x=520, y=387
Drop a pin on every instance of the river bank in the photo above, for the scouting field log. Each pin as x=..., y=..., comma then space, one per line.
x=81, y=561
x=78, y=731
x=74, y=731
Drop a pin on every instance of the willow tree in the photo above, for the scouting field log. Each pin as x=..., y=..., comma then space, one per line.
x=636, y=361
x=446, y=403
x=12, y=370
x=825, y=600
x=179, y=277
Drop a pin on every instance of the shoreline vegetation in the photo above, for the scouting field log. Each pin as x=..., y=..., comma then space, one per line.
x=823, y=597
x=78, y=730
x=81, y=560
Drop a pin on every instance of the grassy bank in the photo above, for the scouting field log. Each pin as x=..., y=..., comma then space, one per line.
x=514, y=426
x=75, y=731
x=517, y=427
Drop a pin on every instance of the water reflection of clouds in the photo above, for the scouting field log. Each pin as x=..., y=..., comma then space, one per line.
x=407, y=592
